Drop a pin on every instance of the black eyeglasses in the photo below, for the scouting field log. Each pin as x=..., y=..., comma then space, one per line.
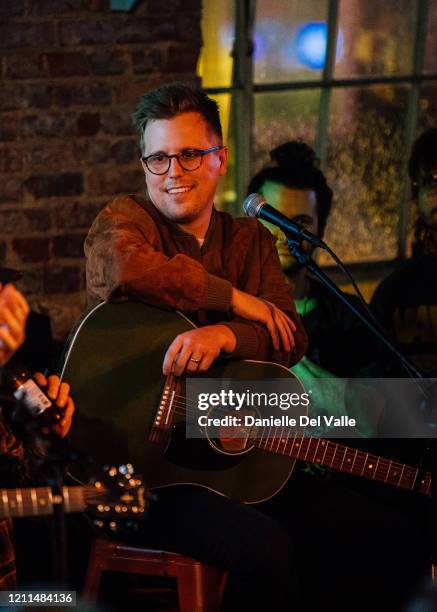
x=189, y=160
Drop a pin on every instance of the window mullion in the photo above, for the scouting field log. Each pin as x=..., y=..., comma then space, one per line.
x=242, y=98
x=328, y=72
x=411, y=120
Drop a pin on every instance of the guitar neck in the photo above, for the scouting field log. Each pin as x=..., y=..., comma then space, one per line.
x=349, y=460
x=37, y=501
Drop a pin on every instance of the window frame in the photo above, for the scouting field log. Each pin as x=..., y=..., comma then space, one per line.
x=243, y=90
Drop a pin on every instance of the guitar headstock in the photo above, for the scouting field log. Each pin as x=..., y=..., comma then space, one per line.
x=118, y=496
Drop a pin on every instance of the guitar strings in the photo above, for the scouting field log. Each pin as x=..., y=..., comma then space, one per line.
x=73, y=497
x=29, y=498
x=182, y=409
x=381, y=462
x=269, y=440
x=361, y=455
x=183, y=412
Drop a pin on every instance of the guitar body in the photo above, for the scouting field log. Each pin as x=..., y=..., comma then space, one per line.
x=114, y=367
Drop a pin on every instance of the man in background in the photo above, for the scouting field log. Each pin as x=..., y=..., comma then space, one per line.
x=406, y=301
x=295, y=185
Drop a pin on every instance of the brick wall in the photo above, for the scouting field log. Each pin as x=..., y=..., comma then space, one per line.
x=71, y=72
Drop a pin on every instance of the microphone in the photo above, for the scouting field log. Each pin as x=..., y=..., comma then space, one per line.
x=256, y=206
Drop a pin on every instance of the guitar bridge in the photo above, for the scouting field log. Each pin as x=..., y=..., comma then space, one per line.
x=163, y=419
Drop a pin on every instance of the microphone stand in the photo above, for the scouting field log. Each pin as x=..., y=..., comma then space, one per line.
x=305, y=259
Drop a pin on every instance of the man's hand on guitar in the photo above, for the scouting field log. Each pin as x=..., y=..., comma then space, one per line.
x=60, y=394
x=195, y=350
x=280, y=326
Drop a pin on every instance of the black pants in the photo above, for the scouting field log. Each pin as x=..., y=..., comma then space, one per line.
x=358, y=545
x=201, y=524
x=226, y=534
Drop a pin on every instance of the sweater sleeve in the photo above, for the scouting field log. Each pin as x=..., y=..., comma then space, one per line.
x=15, y=461
x=124, y=258
x=253, y=339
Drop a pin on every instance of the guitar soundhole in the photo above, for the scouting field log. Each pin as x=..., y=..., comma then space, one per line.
x=197, y=454
x=229, y=432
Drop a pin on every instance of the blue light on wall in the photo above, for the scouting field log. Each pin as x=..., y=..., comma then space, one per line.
x=311, y=41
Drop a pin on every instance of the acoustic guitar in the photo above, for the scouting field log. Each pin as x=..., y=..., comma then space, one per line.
x=127, y=408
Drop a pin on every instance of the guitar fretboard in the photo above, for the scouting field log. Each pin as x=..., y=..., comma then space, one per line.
x=349, y=460
x=36, y=501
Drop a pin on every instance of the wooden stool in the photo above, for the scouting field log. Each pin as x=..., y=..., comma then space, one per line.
x=200, y=587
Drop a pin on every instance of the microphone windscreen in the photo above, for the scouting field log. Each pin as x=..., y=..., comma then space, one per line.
x=253, y=204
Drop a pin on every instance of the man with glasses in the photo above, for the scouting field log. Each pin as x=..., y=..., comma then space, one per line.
x=174, y=250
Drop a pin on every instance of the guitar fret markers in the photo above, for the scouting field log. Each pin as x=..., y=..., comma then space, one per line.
x=344, y=459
